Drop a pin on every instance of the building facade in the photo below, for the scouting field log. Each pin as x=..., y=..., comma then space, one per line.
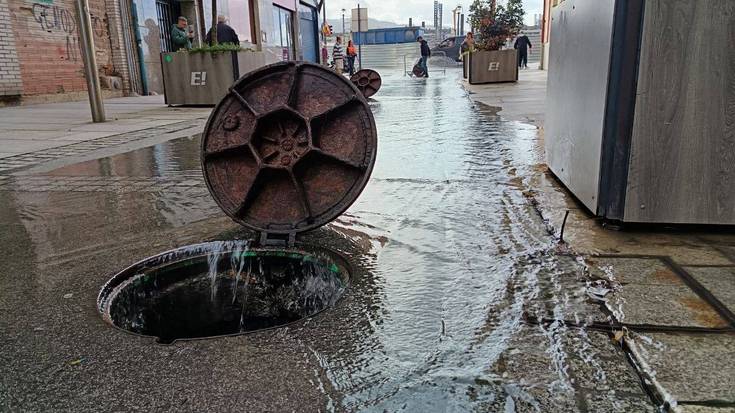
x=40, y=54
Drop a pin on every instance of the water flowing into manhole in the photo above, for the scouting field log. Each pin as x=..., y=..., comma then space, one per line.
x=222, y=288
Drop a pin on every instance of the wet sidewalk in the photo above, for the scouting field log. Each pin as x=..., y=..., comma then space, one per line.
x=670, y=291
x=54, y=130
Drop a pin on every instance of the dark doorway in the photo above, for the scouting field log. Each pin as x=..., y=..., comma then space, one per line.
x=309, y=32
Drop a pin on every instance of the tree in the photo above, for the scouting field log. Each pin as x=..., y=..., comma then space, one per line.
x=495, y=23
x=478, y=9
x=513, y=16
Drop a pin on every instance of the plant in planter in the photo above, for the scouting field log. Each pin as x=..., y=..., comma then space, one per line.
x=493, y=25
x=219, y=48
x=203, y=75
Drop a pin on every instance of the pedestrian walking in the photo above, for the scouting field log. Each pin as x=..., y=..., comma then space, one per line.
x=351, y=54
x=522, y=44
x=180, y=39
x=338, y=56
x=425, y=55
x=225, y=33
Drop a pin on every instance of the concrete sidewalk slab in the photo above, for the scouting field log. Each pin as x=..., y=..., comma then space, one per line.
x=18, y=146
x=33, y=128
x=524, y=100
x=690, y=368
x=720, y=281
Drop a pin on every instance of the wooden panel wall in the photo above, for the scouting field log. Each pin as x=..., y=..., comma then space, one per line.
x=682, y=162
x=493, y=66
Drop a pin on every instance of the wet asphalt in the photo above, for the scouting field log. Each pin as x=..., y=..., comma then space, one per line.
x=451, y=263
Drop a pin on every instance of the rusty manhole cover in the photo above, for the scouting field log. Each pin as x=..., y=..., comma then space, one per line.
x=368, y=81
x=289, y=148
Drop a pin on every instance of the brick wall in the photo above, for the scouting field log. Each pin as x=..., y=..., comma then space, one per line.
x=47, y=44
x=10, y=80
x=117, y=45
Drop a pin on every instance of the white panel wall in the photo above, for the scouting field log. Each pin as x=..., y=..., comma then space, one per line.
x=581, y=35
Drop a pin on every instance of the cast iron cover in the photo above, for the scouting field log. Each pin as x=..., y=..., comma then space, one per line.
x=368, y=81
x=289, y=148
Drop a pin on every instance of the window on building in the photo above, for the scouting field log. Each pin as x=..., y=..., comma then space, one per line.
x=282, y=35
x=239, y=15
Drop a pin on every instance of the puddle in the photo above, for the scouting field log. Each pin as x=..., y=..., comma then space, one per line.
x=221, y=288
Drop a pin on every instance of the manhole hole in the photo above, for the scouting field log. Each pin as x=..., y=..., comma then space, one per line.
x=222, y=288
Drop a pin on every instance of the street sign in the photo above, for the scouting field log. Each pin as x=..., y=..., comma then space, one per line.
x=361, y=23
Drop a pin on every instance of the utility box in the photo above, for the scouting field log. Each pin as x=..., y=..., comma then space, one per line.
x=640, y=123
x=204, y=78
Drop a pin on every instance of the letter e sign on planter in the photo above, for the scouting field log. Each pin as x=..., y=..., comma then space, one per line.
x=493, y=67
x=198, y=78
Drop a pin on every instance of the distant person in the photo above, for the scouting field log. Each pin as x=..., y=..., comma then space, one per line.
x=338, y=56
x=180, y=39
x=225, y=33
x=522, y=44
x=325, y=56
x=425, y=55
x=351, y=54
x=468, y=45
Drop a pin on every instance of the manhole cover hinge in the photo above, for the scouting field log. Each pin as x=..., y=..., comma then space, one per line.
x=268, y=239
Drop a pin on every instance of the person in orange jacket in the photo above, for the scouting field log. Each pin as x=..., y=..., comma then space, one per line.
x=351, y=54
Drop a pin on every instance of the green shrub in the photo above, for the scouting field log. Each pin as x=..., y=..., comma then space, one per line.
x=218, y=48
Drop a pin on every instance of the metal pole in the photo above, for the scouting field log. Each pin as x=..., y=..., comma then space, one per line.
x=343, y=24
x=90, y=61
x=324, y=36
x=362, y=37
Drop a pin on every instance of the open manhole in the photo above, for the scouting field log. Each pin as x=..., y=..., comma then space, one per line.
x=288, y=149
x=222, y=288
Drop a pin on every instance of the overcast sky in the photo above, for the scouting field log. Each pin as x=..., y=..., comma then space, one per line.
x=399, y=11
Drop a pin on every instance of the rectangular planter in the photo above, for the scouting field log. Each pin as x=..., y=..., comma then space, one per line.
x=203, y=78
x=493, y=66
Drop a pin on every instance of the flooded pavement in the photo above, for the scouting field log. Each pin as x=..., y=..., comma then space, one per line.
x=456, y=301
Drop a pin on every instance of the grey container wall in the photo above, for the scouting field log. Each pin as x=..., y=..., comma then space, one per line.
x=641, y=108
x=203, y=78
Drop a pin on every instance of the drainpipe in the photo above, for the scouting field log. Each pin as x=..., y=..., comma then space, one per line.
x=258, y=40
x=139, y=49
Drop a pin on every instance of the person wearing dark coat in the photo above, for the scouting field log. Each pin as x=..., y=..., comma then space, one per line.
x=425, y=55
x=522, y=44
x=225, y=33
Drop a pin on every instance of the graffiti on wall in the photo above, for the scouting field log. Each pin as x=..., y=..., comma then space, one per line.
x=61, y=21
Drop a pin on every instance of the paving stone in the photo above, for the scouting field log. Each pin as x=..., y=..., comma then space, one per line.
x=664, y=305
x=689, y=367
x=644, y=271
x=720, y=281
x=684, y=408
x=581, y=358
x=642, y=284
x=728, y=251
